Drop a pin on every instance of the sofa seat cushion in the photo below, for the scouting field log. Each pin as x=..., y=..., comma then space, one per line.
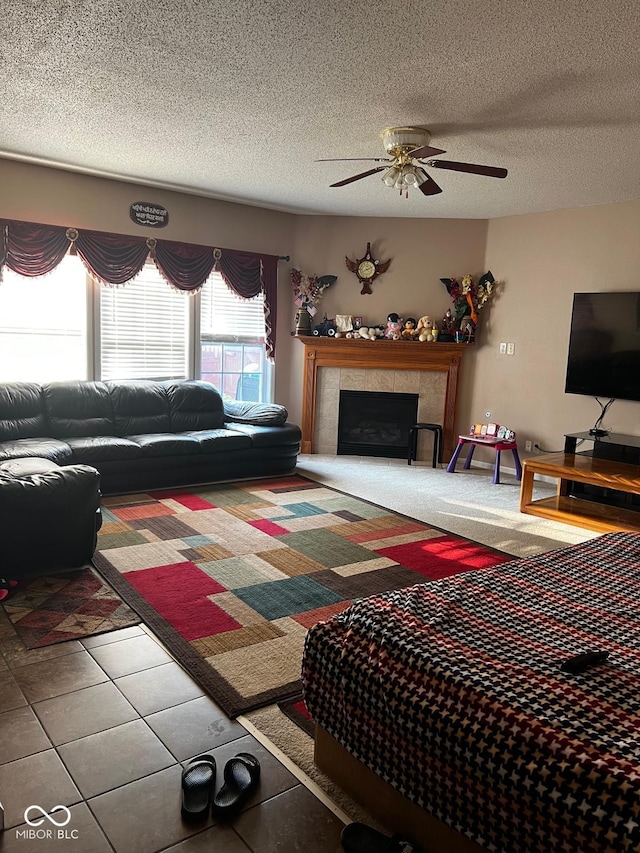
x=268, y=436
x=166, y=444
x=103, y=447
x=45, y=448
x=219, y=440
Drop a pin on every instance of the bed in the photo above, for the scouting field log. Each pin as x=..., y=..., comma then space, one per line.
x=450, y=695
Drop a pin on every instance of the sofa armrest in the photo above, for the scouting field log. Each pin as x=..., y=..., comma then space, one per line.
x=259, y=414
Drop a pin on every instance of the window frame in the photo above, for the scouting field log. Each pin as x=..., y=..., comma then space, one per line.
x=193, y=344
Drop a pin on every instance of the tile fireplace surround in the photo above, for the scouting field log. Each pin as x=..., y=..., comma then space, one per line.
x=334, y=364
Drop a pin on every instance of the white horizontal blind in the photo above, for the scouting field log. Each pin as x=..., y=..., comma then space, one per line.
x=143, y=329
x=224, y=316
x=43, y=325
x=232, y=348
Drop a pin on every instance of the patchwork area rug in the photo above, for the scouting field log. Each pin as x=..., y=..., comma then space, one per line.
x=56, y=608
x=230, y=577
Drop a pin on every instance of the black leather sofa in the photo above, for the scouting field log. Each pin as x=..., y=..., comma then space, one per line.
x=143, y=435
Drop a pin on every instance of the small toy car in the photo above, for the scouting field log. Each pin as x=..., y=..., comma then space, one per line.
x=325, y=329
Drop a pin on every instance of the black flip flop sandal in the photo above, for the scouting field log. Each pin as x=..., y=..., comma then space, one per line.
x=198, y=781
x=360, y=838
x=6, y=587
x=241, y=777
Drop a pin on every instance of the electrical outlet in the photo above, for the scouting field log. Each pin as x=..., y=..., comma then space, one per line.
x=503, y=348
x=487, y=414
x=528, y=446
x=511, y=348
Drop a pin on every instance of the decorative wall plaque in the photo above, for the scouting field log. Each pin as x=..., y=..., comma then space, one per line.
x=150, y=215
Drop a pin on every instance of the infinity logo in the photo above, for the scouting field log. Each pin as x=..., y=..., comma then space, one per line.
x=47, y=815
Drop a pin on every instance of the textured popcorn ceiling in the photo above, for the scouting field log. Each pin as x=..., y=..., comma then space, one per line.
x=237, y=99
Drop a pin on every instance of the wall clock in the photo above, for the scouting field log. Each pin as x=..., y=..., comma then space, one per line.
x=367, y=269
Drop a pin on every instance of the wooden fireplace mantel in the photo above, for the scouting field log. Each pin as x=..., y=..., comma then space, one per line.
x=380, y=355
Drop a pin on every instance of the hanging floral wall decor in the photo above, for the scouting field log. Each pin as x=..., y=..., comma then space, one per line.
x=468, y=297
x=308, y=289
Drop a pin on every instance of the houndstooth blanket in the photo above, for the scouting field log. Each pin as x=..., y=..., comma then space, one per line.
x=452, y=692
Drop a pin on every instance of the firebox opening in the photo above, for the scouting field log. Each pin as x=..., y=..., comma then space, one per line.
x=375, y=423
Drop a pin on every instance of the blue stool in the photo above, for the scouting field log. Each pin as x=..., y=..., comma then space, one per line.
x=436, y=429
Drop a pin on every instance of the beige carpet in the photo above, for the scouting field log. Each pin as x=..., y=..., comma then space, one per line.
x=465, y=503
x=298, y=747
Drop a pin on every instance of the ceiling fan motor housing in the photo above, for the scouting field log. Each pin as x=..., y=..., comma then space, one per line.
x=400, y=140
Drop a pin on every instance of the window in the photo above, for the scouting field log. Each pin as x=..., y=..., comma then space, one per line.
x=43, y=325
x=232, y=348
x=143, y=329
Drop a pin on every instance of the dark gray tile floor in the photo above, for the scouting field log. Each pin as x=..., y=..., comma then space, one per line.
x=103, y=726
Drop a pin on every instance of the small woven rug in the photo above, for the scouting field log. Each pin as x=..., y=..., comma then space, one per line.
x=230, y=577
x=56, y=608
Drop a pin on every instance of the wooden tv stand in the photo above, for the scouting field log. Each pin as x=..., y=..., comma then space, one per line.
x=571, y=467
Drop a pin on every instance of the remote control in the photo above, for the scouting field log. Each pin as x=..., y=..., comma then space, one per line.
x=578, y=663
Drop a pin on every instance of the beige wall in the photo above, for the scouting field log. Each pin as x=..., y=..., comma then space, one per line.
x=56, y=197
x=421, y=251
x=541, y=260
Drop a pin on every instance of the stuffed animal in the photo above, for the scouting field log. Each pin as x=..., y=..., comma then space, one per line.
x=409, y=332
x=424, y=328
x=369, y=334
x=394, y=327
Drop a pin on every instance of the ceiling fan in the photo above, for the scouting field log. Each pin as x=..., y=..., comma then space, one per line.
x=409, y=152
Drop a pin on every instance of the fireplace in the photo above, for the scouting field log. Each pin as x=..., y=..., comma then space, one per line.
x=430, y=370
x=375, y=423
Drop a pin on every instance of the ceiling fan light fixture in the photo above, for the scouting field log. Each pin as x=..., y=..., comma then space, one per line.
x=410, y=176
x=400, y=184
x=391, y=176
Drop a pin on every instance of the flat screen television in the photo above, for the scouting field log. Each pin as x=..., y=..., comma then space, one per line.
x=604, y=346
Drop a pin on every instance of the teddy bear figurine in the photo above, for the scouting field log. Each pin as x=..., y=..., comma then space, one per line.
x=425, y=329
x=409, y=332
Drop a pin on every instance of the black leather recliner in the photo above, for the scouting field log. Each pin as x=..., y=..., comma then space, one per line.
x=49, y=517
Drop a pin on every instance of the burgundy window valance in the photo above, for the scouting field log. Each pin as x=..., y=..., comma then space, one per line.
x=31, y=249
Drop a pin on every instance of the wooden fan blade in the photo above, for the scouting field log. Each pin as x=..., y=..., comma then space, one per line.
x=429, y=187
x=425, y=151
x=357, y=177
x=352, y=159
x=471, y=168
